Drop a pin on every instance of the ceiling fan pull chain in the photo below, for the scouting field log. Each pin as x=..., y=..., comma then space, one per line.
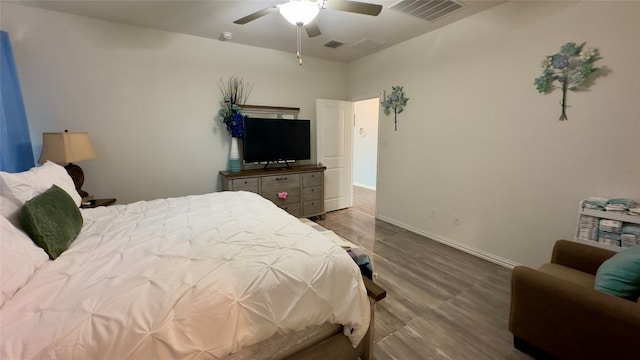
x=299, y=43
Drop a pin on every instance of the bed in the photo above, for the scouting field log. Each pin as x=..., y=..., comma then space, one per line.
x=225, y=275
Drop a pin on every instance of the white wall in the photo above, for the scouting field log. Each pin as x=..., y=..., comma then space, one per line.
x=365, y=145
x=149, y=98
x=477, y=141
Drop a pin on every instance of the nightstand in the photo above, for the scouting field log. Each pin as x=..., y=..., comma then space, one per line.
x=93, y=203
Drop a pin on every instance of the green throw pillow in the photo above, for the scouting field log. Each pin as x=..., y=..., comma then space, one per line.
x=620, y=275
x=52, y=220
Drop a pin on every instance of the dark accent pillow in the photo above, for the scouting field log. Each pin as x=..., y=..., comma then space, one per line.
x=52, y=220
x=620, y=275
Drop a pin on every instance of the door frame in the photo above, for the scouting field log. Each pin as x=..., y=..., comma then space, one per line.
x=379, y=96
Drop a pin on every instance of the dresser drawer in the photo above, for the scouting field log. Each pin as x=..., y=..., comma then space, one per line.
x=293, y=209
x=280, y=182
x=312, y=179
x=293, y=196
x=248, y=184
x=312, y=193
x=313, y=207
x=303, y=184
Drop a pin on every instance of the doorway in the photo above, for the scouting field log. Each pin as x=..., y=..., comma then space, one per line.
x=365, y=143
x=365, y=153
x=338, y=130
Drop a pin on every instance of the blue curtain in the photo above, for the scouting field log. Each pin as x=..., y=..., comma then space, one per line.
x=16, y=153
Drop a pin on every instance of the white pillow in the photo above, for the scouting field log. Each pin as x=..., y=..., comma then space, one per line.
x=19, y=259
x=10, y=208
x=28, y=184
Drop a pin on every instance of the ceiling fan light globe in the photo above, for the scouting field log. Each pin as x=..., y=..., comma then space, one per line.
x=300, y=11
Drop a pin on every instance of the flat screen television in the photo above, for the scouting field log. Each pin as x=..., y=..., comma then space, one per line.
x=270, y=140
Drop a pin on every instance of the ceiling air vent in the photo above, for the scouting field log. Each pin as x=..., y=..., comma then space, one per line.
x=367, y=44
x=334, y=44
x=429, y=10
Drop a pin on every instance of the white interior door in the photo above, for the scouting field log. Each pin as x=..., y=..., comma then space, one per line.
x=334, y=139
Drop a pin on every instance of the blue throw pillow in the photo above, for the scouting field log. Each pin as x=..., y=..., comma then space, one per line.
x=620, y=275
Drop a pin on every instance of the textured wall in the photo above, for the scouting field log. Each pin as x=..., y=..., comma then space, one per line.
x=477, y=141
x=149, y=98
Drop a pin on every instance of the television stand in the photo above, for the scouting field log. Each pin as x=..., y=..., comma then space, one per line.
x=303, y=185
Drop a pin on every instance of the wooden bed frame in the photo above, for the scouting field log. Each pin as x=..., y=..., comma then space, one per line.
x=336, y=346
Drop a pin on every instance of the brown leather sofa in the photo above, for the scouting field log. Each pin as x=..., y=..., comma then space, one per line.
x=556, y=313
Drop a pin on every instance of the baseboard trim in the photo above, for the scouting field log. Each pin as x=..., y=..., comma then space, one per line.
x=365, y=186
x=454, y=244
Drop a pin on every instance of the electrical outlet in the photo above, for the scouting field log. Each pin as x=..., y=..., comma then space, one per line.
x=433, y=213
x=456, y=220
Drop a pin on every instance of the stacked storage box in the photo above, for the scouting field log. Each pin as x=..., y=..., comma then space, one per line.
x=630, y=235
x=610, y=223
x=609, y=232
x=588, y=228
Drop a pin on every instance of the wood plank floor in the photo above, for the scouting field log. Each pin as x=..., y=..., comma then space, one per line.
x=441, y=304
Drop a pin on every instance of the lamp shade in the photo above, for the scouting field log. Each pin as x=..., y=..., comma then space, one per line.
x=66, y=147
x=299, y=11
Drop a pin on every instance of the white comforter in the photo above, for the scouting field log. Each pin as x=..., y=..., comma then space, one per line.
x=192, y=277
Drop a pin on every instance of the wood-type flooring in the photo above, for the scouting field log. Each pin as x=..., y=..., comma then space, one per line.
x=441, y=303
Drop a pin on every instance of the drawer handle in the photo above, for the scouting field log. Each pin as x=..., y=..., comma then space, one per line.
x=283, y=195
x=279, y=179
x=246, y=182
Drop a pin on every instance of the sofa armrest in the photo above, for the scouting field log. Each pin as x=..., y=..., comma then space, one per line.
x=579, y=256
x=571, y=321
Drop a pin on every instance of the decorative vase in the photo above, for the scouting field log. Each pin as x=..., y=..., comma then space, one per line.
x=234, y=156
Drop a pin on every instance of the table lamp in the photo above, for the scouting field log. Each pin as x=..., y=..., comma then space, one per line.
x=68, y=147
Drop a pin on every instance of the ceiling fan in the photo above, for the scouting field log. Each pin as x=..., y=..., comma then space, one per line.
x=303, y=12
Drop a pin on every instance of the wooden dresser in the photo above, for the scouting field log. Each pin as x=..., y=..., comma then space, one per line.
x=303, y=185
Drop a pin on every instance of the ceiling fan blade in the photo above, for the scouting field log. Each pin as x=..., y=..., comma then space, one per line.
x=353, y=6
x=312, y=29
x=256, y=15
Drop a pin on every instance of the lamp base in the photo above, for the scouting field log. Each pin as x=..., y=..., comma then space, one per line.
x=77, y=175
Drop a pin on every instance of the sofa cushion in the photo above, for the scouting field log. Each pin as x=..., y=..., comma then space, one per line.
x=569, y=274
x=620, y=275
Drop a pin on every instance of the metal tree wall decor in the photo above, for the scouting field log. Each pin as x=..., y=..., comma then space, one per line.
x=570, y=68
x=396, y=102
